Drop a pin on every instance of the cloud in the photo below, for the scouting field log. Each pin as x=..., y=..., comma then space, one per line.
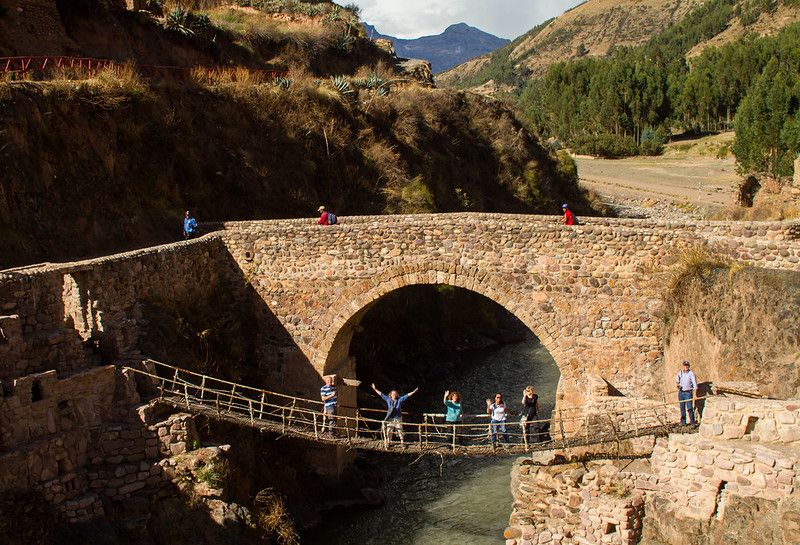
x=414, y=18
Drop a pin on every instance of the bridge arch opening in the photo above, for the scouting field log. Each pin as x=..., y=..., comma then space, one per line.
x=440, y=337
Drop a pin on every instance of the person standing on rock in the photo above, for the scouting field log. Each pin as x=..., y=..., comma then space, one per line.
x=497, y=411
x=530, y=412
x=393, y=422
x=569, y=217
x=189, y=226
x=328, y=395
x=452, y=400
x=687, y=387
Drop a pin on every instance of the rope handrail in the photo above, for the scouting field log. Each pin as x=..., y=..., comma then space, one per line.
x=305, y=418
x=581, y=410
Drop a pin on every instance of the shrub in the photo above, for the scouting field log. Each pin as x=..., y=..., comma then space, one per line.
x=609, y=146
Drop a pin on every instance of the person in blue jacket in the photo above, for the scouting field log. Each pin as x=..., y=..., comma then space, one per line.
x=189, y=226
x=394, y=414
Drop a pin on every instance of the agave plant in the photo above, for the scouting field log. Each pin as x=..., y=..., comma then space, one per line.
x=282, y=83
x=342, y=85
x=178, y=20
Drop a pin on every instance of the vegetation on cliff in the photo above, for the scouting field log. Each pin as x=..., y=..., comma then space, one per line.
x=98, y=165
x=735, y=323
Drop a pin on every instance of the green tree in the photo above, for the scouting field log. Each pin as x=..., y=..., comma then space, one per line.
x=766, y=122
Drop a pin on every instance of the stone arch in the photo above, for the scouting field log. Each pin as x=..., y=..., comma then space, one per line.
x=337, y=326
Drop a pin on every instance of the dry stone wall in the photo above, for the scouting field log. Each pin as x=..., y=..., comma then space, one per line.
x=574, y=504
x=729, y=488
x=68, y=317
x=587, y=292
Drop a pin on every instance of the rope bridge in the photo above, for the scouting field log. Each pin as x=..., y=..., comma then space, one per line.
x=364, y=428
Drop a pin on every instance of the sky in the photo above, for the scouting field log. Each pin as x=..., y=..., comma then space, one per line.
x=415, y=18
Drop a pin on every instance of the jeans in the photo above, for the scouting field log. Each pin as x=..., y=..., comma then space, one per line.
x=499, y=426
x=329, y=418
x=686, y=404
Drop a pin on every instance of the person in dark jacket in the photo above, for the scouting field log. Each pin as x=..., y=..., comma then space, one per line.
x=530, y=412
x=393, y=422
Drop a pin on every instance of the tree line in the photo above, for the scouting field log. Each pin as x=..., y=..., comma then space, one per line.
x=630, y=101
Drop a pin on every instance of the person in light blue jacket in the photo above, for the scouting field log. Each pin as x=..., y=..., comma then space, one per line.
x=452, y=400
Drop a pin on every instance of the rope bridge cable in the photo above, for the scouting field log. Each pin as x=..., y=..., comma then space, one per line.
x=303, y=418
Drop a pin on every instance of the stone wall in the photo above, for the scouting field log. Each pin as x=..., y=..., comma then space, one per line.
x=590, y=293
x=84, y=441
x=737, y=482
x=69, y=317
x=753, y=420
x=574, y=504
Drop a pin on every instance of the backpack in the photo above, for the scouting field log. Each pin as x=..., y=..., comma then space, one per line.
x=332, y=219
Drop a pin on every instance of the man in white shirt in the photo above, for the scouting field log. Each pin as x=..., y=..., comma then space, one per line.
x=687, y=386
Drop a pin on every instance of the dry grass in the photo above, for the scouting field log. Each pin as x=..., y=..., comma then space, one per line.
x=696, y=262
x=228, y=76
x=253, y=28
x=274, y=520
x=771, y=203
x=109, y=89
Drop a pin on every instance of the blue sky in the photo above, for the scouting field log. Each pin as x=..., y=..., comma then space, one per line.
x=415, y=18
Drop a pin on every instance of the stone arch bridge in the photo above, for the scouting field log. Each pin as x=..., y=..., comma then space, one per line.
x=591, y=293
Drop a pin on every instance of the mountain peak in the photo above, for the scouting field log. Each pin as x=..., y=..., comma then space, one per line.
x=456, y=27
x=458, y=43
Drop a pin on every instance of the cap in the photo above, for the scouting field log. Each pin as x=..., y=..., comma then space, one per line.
x=564, y=205
x=320, y=209
x=686, y=362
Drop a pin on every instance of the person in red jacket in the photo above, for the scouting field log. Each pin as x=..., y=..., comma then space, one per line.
x=569, y=217
x=323, y=218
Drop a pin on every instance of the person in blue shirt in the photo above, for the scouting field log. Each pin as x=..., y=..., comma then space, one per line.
x=687, y=386
x=189, y=226
x=452, y=400
x=328, y=395
x=393, y=422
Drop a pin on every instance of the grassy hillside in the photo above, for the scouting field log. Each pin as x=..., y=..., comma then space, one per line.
x=597, y=28
x=110, y=163
x=591, y=29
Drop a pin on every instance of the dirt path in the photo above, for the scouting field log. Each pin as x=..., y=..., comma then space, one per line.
x=699, y=181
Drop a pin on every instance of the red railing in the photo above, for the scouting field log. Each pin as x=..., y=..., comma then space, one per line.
x=23, y=67
x=26, y=65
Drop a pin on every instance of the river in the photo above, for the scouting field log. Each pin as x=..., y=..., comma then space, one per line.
x=455, y=501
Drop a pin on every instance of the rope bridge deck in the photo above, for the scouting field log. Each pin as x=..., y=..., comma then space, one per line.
x=361, y=428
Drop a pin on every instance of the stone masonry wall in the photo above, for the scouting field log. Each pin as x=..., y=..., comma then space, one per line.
x=83, y=441
x=590, y=293
x=68, y=425
x=706, y=489
x=752, y=420
x=68, y=317
x=735, y=483
x=574, y=504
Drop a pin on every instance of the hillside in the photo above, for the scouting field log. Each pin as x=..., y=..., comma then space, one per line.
x=457, y=44
x=590, y=29
x=596, y=27
x=92, y=166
